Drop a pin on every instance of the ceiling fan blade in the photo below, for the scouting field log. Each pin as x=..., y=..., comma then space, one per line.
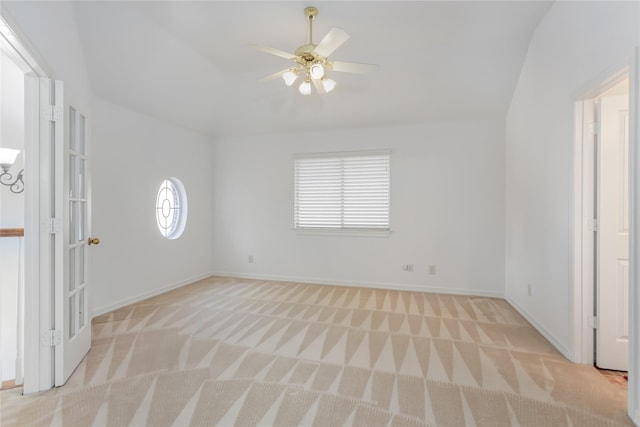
x=274, y=51
x=273, y=76
x=353, y=67
x=333, y=40
x=318, y=84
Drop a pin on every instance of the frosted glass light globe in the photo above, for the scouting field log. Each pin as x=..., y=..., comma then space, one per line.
x=305, y=87
x=289, y=77
x=316, y=71
x=328, y=84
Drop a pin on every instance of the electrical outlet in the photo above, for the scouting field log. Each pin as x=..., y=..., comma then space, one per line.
x=529, y=289
x=408, y=267
x=432, y=269
x=250, y=259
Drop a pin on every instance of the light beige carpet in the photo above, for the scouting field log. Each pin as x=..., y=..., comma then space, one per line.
x=225, y=352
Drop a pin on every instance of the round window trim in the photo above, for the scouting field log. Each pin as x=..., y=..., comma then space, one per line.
x=171, y=208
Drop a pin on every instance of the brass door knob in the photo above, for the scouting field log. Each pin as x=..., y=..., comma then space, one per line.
x=94, y=241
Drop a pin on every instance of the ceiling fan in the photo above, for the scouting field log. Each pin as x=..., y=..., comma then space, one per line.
x=312, y=61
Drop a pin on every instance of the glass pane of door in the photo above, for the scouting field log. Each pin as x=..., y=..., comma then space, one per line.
x=77, y=225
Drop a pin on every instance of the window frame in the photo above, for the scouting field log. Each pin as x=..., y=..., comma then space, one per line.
x=342, y=231
x=181, y=208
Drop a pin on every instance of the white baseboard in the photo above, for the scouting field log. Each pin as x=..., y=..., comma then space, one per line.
x=375, y=285
x=364, y=284
x=145, y=295
x=545, y=333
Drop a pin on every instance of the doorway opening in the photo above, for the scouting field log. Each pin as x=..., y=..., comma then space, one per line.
x=12, y=219
x=57, y=328
x=25, y=284
x=602, y=223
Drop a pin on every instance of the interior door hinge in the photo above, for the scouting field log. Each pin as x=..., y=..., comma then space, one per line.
x=594, y=322
x=52, y=225
x=594, y=225
x=51, y=338
x=594, y=128
x=52, y=113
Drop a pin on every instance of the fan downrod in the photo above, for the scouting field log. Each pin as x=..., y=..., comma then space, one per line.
x=305, y=52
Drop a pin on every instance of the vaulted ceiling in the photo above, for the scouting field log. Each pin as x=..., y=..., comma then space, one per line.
x=190, y=63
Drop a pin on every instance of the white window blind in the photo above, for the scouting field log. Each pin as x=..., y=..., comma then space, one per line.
x=342, y=191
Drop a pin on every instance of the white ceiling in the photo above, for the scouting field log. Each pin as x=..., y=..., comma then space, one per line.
x=190, y=62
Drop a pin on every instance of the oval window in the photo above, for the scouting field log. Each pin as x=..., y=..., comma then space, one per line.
x=171, y=208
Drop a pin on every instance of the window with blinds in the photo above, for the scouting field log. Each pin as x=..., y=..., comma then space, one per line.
x=342, y=191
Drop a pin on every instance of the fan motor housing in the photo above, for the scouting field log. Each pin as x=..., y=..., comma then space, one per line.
x=306, y=52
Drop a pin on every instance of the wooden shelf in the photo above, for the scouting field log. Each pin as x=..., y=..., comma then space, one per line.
x=11, y=232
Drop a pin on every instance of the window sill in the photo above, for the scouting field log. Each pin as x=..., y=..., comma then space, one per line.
x=341, y=232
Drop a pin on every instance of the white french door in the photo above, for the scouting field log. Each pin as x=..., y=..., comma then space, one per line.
x=612, y=336
x=69, y=225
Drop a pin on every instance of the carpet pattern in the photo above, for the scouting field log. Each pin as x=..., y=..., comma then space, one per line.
x=224, y=352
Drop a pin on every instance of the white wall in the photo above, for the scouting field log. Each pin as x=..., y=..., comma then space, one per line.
x=447, y=209
x=132, y=155
x=575, y=45
x=11, y=213
x=50, y=28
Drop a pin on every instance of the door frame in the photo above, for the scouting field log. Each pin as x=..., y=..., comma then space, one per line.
x=634, y=254
x=583, y=242
x=38, y=283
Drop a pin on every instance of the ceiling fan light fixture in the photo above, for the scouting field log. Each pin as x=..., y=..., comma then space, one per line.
x=305, y=87
x=289, y=77
x=328, y=84
x=316, y=71
x=312, y=62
